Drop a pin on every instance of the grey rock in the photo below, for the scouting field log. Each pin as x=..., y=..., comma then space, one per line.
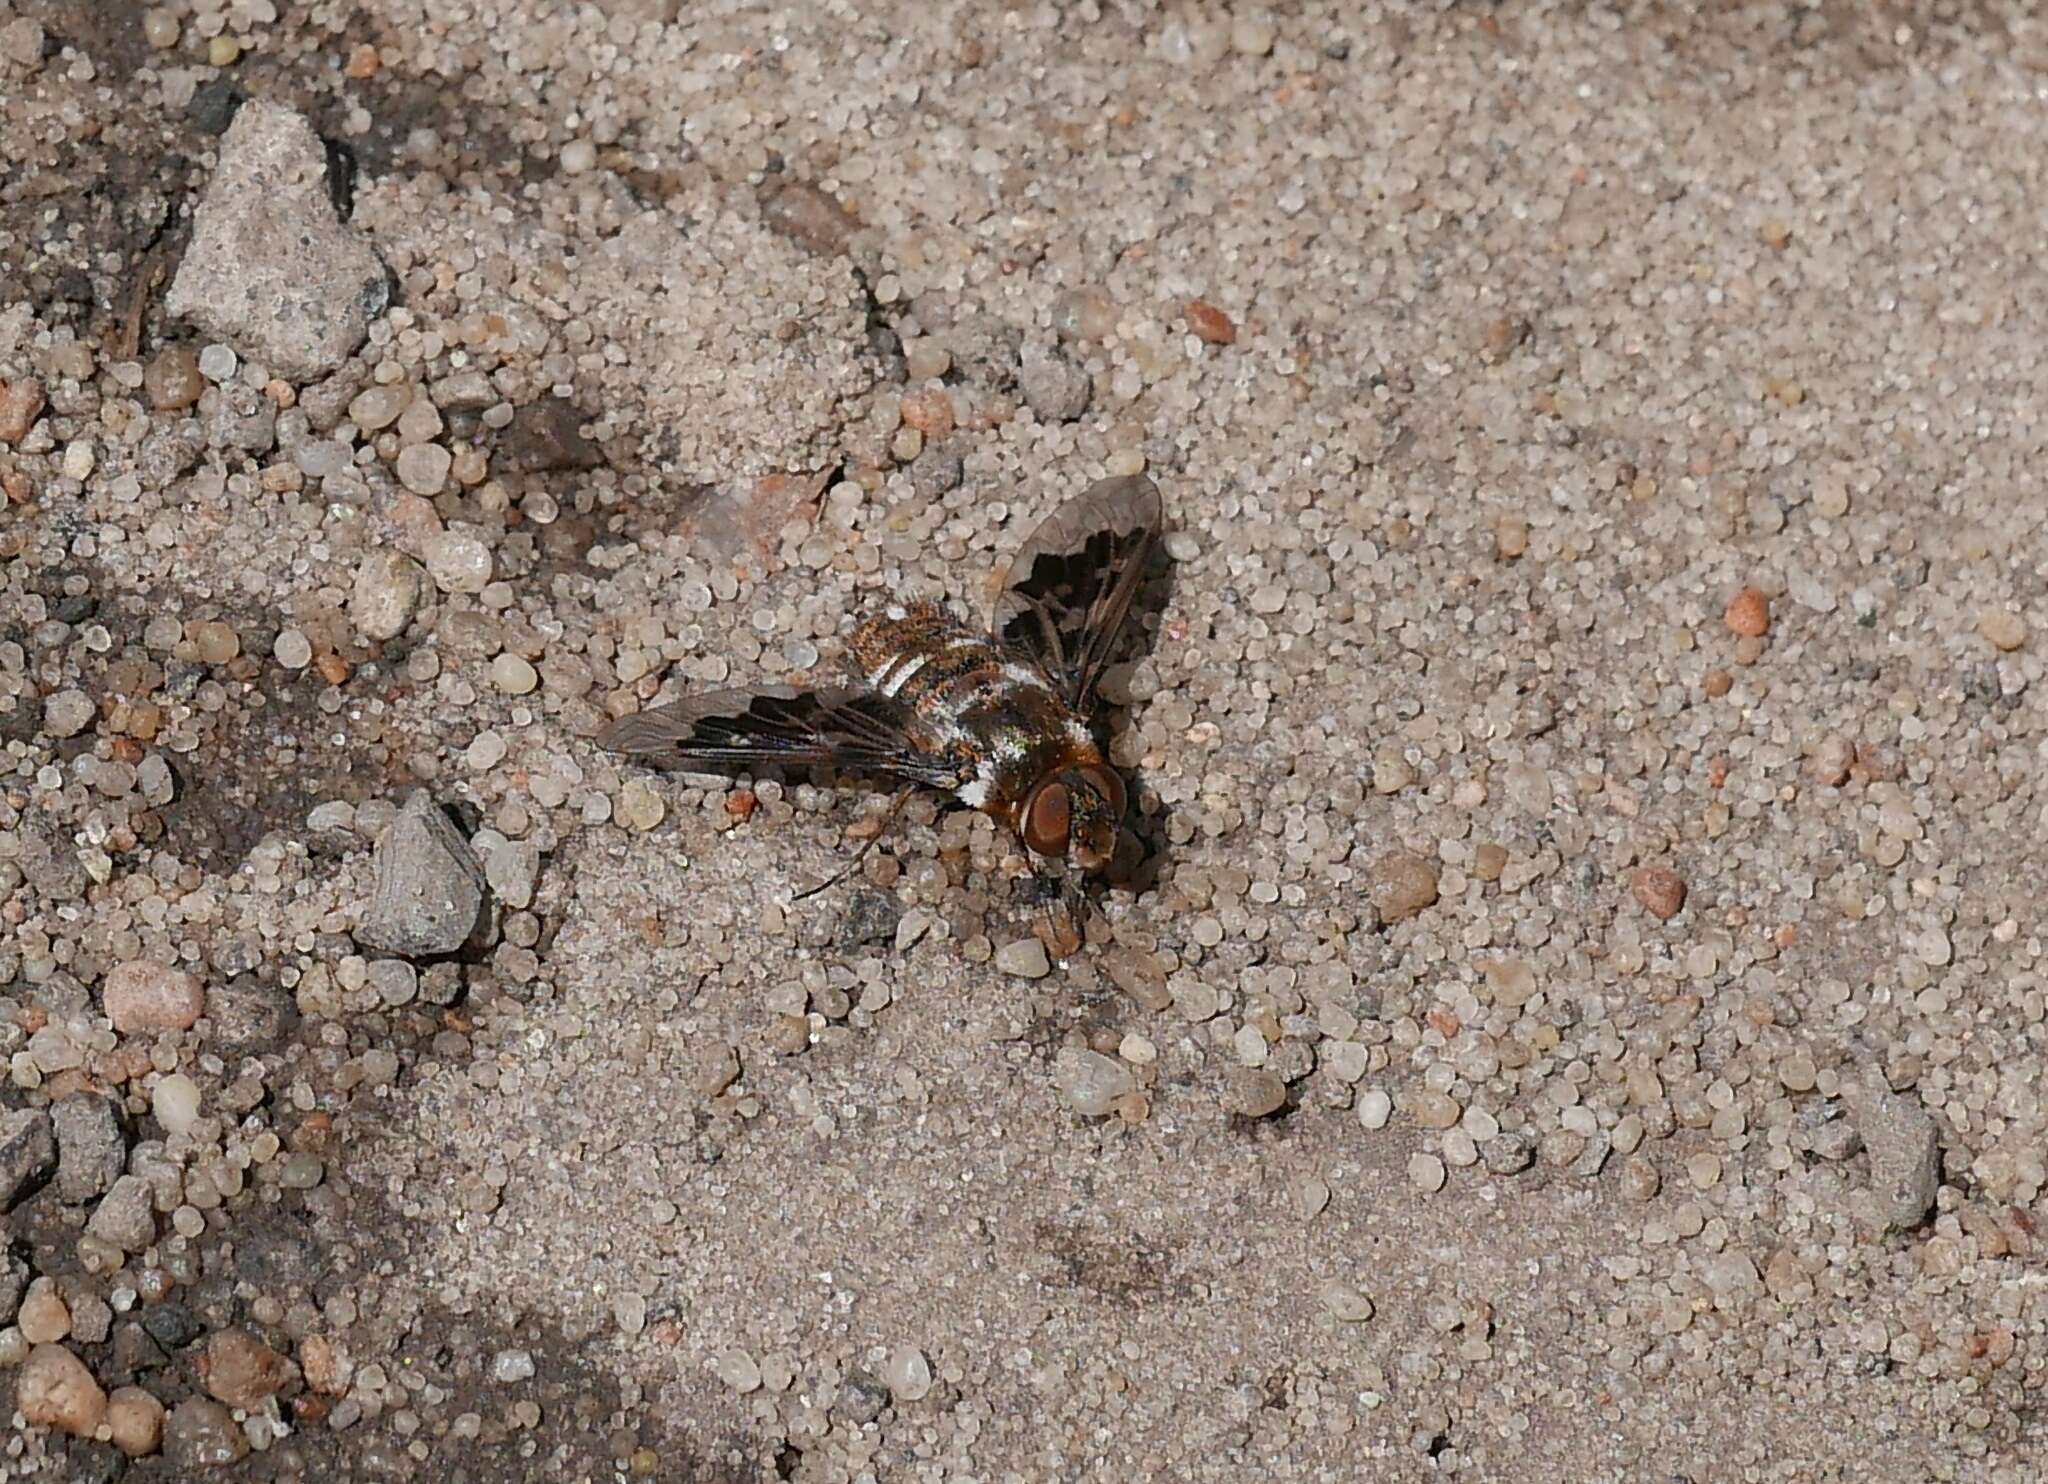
x=90, y=1150
x=545, y=435
x=1836, y=1139
x=91, y=1318
x=1089, y=1081
x=938, y=470
x=386, y=594
x=861, y=1398
x=238, y=416
x=13, y=1284
x=429, y=888
x=170, y=450
x=28, y=1152
x=1593, y=1159
x=271, y=271
x=465, y=391
x=1055, y=388
x=201, y=1434
x=986, y=350
x=510, y=871
x=134, y=1352
x=171, y=1325
x=1905, y=1151
x=126, y=1216
x=1510, y=1153
x=396, y=981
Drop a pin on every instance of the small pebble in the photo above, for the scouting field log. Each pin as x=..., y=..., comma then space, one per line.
x=396, y=981
x=1345, y=1303
x=1748, y=614
x=143, y=996
x=172, y=380
x=1257, y=1092
x=293, y=650
x=378, y=407
x=1432, y=1109
x=1055, y=388
x=1660, y=890
x=44, y=1318
x=1210, y=323
x=1090, y=1082
x=907, y=1374
x=1375, y=1108
x=1024, y=957
x=513, y=675
x=135, y=1421
x=126, y=1215
x=54, y=1389
x=241, y=1370
x=2002, y=630
x=1510, y=1153
x=218, y=362
x=216, y=642
x=21, y=403
x=67, y=713
x=508, y=1367
x=641, y=805
x=1345, y=1060
x=175, y=1102
x=738, y=1370
x=1401, y=885
x=1427, y=1171
x=423, y=468
x=911, y=928
x=421, y=421
x=200, y=1434
x=1829, y=763
x=458, y=563
x=385, y=596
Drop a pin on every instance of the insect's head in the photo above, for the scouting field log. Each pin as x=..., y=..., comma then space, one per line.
x=1075, y=815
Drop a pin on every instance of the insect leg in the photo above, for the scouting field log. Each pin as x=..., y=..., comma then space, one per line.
x=895, y=807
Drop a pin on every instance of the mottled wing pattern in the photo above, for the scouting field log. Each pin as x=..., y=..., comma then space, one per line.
x=729, y=731
x=1070, y=586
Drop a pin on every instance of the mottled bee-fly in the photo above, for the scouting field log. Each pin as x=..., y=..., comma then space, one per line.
x=1001, y=719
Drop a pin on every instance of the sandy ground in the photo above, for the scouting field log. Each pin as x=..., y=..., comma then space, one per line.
x=1573, y=1007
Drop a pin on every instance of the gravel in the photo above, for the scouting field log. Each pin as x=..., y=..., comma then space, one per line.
x=385, y=596
x=28, y=1152
x=429, y=887
x=91, y=1152
x=125, y=1216
x=269, y=269
x=54, y=1389
x=1904, y=1148
x=201, y=1434
x=1582, y=755
x=145, y=996
x=1090, y=1082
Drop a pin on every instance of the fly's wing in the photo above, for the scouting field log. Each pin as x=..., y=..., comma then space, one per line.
x=731, y=731
x=1069, y=589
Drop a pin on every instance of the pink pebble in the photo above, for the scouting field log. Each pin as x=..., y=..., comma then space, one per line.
x=145, y=996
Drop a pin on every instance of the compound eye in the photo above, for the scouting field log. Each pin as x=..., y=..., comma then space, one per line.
x=1046, y=820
